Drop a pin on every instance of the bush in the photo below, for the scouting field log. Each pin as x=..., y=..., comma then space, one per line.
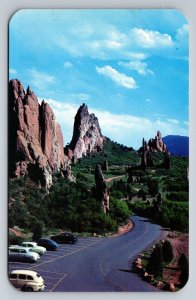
x=153, y=187
x=37, y=229
x=155, y=263
x=15, y=240
x=178, y=196
x=119, y=210
x=184, y=267
x=167, y=251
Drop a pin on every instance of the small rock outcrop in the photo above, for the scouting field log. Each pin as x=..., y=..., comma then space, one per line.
x=156, y=144
x=101, y=189
x=35, y=138
x=105, y=165
x=87, y=137
x=153, y=145
x=68, y=174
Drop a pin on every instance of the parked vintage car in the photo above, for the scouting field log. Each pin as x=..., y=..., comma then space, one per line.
x=34, y=247
x=65, y=237
x=48, y=244
x=17, y=253
x=27, y=280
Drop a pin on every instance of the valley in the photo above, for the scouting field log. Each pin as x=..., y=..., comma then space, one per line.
x=91, y=187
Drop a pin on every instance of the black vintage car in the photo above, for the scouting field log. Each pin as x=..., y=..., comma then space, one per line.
x=64, y=238
x=48, y=244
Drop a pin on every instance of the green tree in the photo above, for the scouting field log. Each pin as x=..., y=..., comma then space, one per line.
x=184, y=267
x=37, y=230
x=167, y=251
x=153, y=187
x=120, y=210
x=155, y=263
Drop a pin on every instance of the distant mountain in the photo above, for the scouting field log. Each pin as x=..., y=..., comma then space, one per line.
x=177, y=144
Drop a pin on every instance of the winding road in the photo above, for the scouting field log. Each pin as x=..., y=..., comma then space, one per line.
x=97, y=264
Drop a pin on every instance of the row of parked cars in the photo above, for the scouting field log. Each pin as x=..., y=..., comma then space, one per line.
x=28, y=280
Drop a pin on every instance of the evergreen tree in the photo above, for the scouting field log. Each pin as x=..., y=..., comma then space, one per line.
x=37, y=230
x=167, y=251
x=184, y=267
x=155, y=263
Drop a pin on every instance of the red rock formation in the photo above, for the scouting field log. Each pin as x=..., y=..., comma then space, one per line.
x=153, y=145
x=156, y=144
x=87, y=137
x=35, y=139
x=101, y=189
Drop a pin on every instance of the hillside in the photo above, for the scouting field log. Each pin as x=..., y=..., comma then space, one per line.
x=177, y=145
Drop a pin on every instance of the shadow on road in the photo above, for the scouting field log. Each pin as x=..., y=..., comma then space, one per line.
x=125, y=270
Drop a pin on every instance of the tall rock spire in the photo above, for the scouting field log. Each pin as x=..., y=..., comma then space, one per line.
x=87, y=137
x=35, y=138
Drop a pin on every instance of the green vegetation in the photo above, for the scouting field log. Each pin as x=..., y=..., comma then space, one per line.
x=156, y=193
x=68, y=205
x=170, y=208
x=155, y=263
x=118, y=156
x=158, y=263
x=184, y=269
x=167, y=251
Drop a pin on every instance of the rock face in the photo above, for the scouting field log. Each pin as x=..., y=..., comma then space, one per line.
x=154, y=145
x=87, y=137
x=35, y=139
x=101, y=189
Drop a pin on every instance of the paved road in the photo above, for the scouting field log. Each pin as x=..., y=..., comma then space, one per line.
x=97, y=264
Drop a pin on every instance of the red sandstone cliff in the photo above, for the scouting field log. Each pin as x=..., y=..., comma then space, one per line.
x=35, y=138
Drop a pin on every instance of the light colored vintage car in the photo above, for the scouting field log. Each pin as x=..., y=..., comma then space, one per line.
x=27, y=280
x=34, y=246
x=22, y=254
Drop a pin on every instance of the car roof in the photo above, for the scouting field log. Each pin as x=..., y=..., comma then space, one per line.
x=27, y=272
x=20, y=247
x=34, y=243
x=47, y=240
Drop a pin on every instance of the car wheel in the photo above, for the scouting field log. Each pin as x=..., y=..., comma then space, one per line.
x=27, y=289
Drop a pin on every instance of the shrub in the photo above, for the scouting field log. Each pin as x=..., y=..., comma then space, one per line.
x=155, y=263
x=167, y=251
x=153, y=187
x=178, y=196
x=184, y=267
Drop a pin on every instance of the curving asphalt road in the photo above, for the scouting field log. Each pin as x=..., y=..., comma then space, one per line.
x=104, y=264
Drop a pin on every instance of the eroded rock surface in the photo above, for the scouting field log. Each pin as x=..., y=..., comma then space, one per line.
x=101, y=189
x=35, y=138
x=87, y=137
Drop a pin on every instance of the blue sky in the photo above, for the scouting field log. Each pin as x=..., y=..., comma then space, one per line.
x=129, y=66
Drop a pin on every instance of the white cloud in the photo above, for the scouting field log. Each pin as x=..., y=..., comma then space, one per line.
x=40, y=80
x=119, y=78
x=186, y=123
x=148, y=100
x=67, y=64
x=174, y=121
x=80, y=96
x=12, y=71
x=182, y=42
x=150, y=39
x=123, y=128
x=138, y=66
x=136, y=55
x=110, y=43
x=182, y=33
